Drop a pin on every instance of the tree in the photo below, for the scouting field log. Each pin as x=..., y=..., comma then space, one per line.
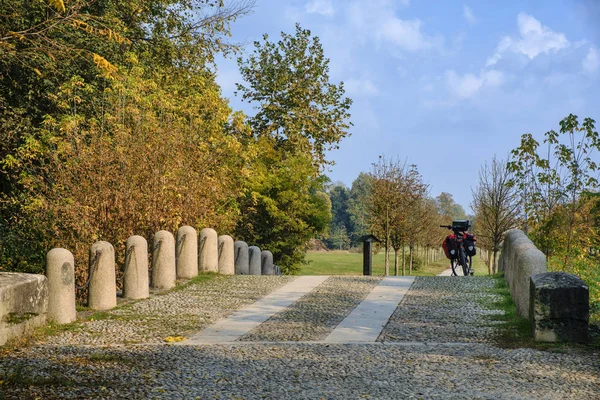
x=300, y=116
x=283, y=205
x=551, y=183
x=496, y=207
x=107, y=110
x=395, y=206
x=297, y=105
x=338, y=237
x=449, y=208
x=340, y=218
x=384, y=201
x=358, y=207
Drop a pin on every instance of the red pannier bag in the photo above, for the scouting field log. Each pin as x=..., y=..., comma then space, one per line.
x=450, y=247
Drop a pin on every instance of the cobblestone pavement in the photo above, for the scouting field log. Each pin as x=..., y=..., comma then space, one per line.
x=437, y=345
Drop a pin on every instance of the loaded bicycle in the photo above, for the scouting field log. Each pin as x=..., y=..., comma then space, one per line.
x=460, y=248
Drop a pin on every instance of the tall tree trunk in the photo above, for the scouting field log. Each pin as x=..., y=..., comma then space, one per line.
x=387, y=240
x=396, y=256
x=403, y=261
x=410, y=250
x=495, y=266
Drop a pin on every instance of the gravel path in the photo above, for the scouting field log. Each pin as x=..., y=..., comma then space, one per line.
x=398, y=367
x=315, y=315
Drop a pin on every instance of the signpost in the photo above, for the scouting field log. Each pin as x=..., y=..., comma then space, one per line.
x=368, y=254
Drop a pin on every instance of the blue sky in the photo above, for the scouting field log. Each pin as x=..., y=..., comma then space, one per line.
x=444, y=84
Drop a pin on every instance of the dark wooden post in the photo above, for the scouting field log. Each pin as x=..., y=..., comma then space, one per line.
x=367, y=254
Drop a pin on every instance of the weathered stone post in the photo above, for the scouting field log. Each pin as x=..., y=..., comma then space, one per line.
x=226, y=255
x=103, y=286
x=254, y=257
x=242, y=262
x=267, y=267
x=163, y=260
x=186, y=250
x=60, y=271
x=135, y=276
x=559, y=307
x=208, y=255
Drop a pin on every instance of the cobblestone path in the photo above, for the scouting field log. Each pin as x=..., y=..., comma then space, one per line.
x=439, y=343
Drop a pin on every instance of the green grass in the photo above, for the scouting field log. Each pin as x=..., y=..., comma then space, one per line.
x=514, y=331
x=340, y=262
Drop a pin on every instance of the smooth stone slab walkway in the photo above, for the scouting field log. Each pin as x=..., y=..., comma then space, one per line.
x=247, y=318
x=366, y=321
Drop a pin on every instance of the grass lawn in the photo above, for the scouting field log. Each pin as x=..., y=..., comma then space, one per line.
x=340, y=262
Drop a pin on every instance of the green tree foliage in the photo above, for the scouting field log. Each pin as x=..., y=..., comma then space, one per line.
x=340, y=217
x=112, y=124
x=283, y=205
x=338, y=237
x=449, y=208
x=297, y=105
x=300, y=116
x=551, y=183
x=358, y=207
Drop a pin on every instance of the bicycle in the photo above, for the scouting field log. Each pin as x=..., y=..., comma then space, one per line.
x=462, y=259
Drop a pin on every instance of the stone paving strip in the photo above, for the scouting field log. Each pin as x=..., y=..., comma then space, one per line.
x=177, y=313
x=315, y=315
x=247, y=318
x=444, y=309
x=365, y=322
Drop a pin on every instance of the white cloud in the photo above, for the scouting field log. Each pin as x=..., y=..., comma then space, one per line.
x=534, y=39
x=323, y=7
x=406, y=34
x=469, y=84
x=377, y=20
x=361, y=87
x=591, y=62
x=469, y=16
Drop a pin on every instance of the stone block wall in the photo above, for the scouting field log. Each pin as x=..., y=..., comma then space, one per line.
x=520, y=260
x=559, y=307
x=23, y=304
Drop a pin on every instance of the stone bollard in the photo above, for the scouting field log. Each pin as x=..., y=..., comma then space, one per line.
x=208, y=255
x=254, y=258
x=266, y=264
x=226, y=255
x=135, y=276
x=60, y=271
x=186, y=250
x=242, y=262
x=559, y=308
x=103, y=286
x=163, y=260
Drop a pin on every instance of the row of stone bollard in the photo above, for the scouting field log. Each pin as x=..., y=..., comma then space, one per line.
x=171, y=260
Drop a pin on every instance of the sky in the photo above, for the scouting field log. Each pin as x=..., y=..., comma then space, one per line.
x=443, y=84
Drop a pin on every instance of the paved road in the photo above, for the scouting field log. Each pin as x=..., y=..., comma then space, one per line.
x=438, y=341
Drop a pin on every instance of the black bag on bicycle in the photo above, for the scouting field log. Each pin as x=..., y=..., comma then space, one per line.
x=469, y=244
x=450, y=247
